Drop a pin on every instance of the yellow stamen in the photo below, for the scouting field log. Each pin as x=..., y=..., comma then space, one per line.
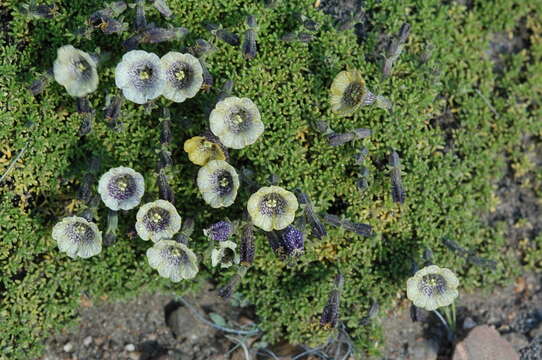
x=272, y=203
x=237, y=119
x=180, y=75
x=156, y=218
x=224, y=182
x=144, y=75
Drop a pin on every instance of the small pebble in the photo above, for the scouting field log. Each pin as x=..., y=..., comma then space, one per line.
x=129, y=347
x=468, y=323
x=68, y=347
x=87, y=341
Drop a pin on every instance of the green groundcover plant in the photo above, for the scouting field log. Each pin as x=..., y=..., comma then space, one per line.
x=463, y=103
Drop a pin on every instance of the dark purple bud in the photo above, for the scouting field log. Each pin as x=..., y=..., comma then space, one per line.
x=293, y=241
x=158, y=35
x=362, y=184
x=361, y=155
x=318, y=229
x=397, y=191
x=337, y=139
x=226, y=91
x=220, y=231
x=182, y=239
x=83, y=105
x=132, y=42
x=404, y=31
x=38, y=85
x=227, y=291
x=373, y=311
x=305, y=37
x=166, y=193
x=310, y=24
x=361, y=133
x=85, y=189
x=112, y=111
x=249, y=44
x=164, y=159
x=202, y=48
x=358, y=228
x=246, y=247
x=270, y=3
x=188, y=226
x=251, y=22
x=207, y=77
x=112, y=224
x=163, y=8
x=289, y=37
x=228, y=37
x=276, y=243
x=165, y=134
x=323, y=127
x=330, y=315
x=105, y=23
x=115, y=8
x=140, y=20
x=85, y=109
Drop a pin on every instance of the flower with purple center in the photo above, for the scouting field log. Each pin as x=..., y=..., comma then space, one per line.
x=173, y=260
x=183, y=75
x=220, y=231
x=140, y=76
x=272, y=208
x=218, y=182
x=76, y=71
x=157, y=220
x=78, y=237
x=432, y=287
x=121, y=188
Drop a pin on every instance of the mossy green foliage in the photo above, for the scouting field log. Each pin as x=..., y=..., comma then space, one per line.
x=454, y=118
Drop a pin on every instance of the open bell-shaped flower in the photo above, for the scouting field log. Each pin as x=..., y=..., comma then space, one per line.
x=272, y=208
x=183, y=74
x=78, y=237
x=140, y=76
x=236, y=122
x=225, y=255
x=121, y=188
x=157, y=220
x=76, y=71
x=432, y=287
x=218, y=182
x=349, y=92
x=173, y=260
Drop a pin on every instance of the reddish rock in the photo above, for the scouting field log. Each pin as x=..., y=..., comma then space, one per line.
x=484, y=343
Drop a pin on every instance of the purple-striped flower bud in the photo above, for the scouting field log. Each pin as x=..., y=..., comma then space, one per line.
x=220, y=231
x=293, y=241
x=330, y=315
x=246, y=248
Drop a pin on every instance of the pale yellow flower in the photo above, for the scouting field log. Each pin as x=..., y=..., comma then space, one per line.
x=173, y=260
x=348, y=92
x=432, y=287
x=218, y=182
x=76, y=71
x=272, y=208
x=183, y=74
x=236, y=122
x=202, y=149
